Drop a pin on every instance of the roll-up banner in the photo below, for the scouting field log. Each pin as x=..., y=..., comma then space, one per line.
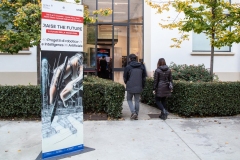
x=61, y=78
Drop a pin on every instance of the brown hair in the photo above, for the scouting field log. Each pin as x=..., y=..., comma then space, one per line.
x=161, y=62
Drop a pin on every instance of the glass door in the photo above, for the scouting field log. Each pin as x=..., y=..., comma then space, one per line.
x=120, y=51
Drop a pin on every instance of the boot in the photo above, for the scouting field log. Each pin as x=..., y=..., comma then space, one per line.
x=164, y=114
x=161, y=115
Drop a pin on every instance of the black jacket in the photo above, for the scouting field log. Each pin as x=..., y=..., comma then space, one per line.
x=103, y=64
x=162, y=77
x=134, y=77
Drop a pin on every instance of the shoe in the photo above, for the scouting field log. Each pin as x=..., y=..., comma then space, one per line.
x=164, y=114
x=161, y=116
x=136, y=118
x=133, y=116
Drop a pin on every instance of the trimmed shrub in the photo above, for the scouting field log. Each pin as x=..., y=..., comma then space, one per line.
x=20, y=101
x=147, y=95
x=99, y=96
x=191, y=73
x=102, y=95
x=200, y=99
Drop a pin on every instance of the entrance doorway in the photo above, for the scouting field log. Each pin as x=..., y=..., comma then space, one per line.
x=112, y=51
x=114, y=37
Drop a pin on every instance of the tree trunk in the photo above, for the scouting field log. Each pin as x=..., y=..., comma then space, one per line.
x=212, y=41
x=211, y=61
x=38, y=64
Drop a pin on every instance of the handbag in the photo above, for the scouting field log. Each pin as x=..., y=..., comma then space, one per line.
x=170, y=84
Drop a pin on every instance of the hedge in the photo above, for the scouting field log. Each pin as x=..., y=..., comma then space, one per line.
x=102, y=95
x=200, y=98
x=20, y=101
x=99, y=96
x=192, y=73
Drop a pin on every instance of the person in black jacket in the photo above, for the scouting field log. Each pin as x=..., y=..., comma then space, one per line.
x=103, y=67
x=161, y=89
x=134, y=77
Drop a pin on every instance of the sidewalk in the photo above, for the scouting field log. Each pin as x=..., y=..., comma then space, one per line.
x=143, y=139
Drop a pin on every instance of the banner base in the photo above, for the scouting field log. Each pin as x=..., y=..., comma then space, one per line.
x=85, y=150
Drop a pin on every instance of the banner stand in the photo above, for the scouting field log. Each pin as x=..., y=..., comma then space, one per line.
x=86, y=149
x=61, y=79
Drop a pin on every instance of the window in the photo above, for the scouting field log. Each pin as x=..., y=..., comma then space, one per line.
x=136, y=41
x=103, y=4
x=136, y=11
x=120, y=11
x=24, y=50
x=201, y=43
x=114, y=36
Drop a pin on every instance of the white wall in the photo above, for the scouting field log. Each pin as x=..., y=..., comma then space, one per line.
x=147, y=39
x=160, y=47
x=19, y=69
x=18, y=62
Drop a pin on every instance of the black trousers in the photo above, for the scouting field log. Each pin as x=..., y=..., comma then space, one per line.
x=103, y=73
x=161, y=103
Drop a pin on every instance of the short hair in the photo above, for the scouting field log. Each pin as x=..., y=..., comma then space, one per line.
x=103, y=56
x=161, y=62
x=132, y=57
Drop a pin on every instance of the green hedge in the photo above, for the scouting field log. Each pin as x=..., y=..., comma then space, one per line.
x=102, y=95
x=147, y=95
x=192, y=73
x=99, y=96
x=20, y=101
x=200, y=98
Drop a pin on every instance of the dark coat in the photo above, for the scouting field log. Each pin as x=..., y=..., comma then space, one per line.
x=134, y=77
x=103, y=64
x=162, y=77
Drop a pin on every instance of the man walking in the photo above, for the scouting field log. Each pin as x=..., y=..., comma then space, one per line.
x=134, y=77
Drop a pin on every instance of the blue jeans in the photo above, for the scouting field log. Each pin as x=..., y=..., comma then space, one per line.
x=130, y=103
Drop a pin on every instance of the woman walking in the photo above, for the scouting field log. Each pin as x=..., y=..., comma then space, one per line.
x=162, y=86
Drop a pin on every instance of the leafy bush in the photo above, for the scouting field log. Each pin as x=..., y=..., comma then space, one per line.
x=20, y=101
x=191, y=73
x=200, y=98
x=99, y=96
x=102, y=95
x=147, y=95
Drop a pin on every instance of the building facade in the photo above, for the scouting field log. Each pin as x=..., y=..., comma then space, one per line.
x=132, y=28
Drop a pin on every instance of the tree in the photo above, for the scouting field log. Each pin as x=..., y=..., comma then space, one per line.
x=21, y=25
x=212, y=17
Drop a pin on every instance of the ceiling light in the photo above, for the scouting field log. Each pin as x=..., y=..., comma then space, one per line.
x=114, y=3
x=120, y=12
x=120, y=3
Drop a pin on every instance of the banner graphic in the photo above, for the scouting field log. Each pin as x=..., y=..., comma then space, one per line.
x=62, y=26
x=61, y=78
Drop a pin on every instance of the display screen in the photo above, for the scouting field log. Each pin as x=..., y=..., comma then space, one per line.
x=103, y=52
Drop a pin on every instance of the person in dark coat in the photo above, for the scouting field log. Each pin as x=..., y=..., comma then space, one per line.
x=161, y=89
x=110, y=68
x=134, y=77
x=103, y=67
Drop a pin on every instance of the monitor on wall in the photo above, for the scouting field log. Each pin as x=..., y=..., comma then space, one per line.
x=103, y=52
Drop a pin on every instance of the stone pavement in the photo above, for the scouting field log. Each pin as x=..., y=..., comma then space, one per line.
x=143, y=139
